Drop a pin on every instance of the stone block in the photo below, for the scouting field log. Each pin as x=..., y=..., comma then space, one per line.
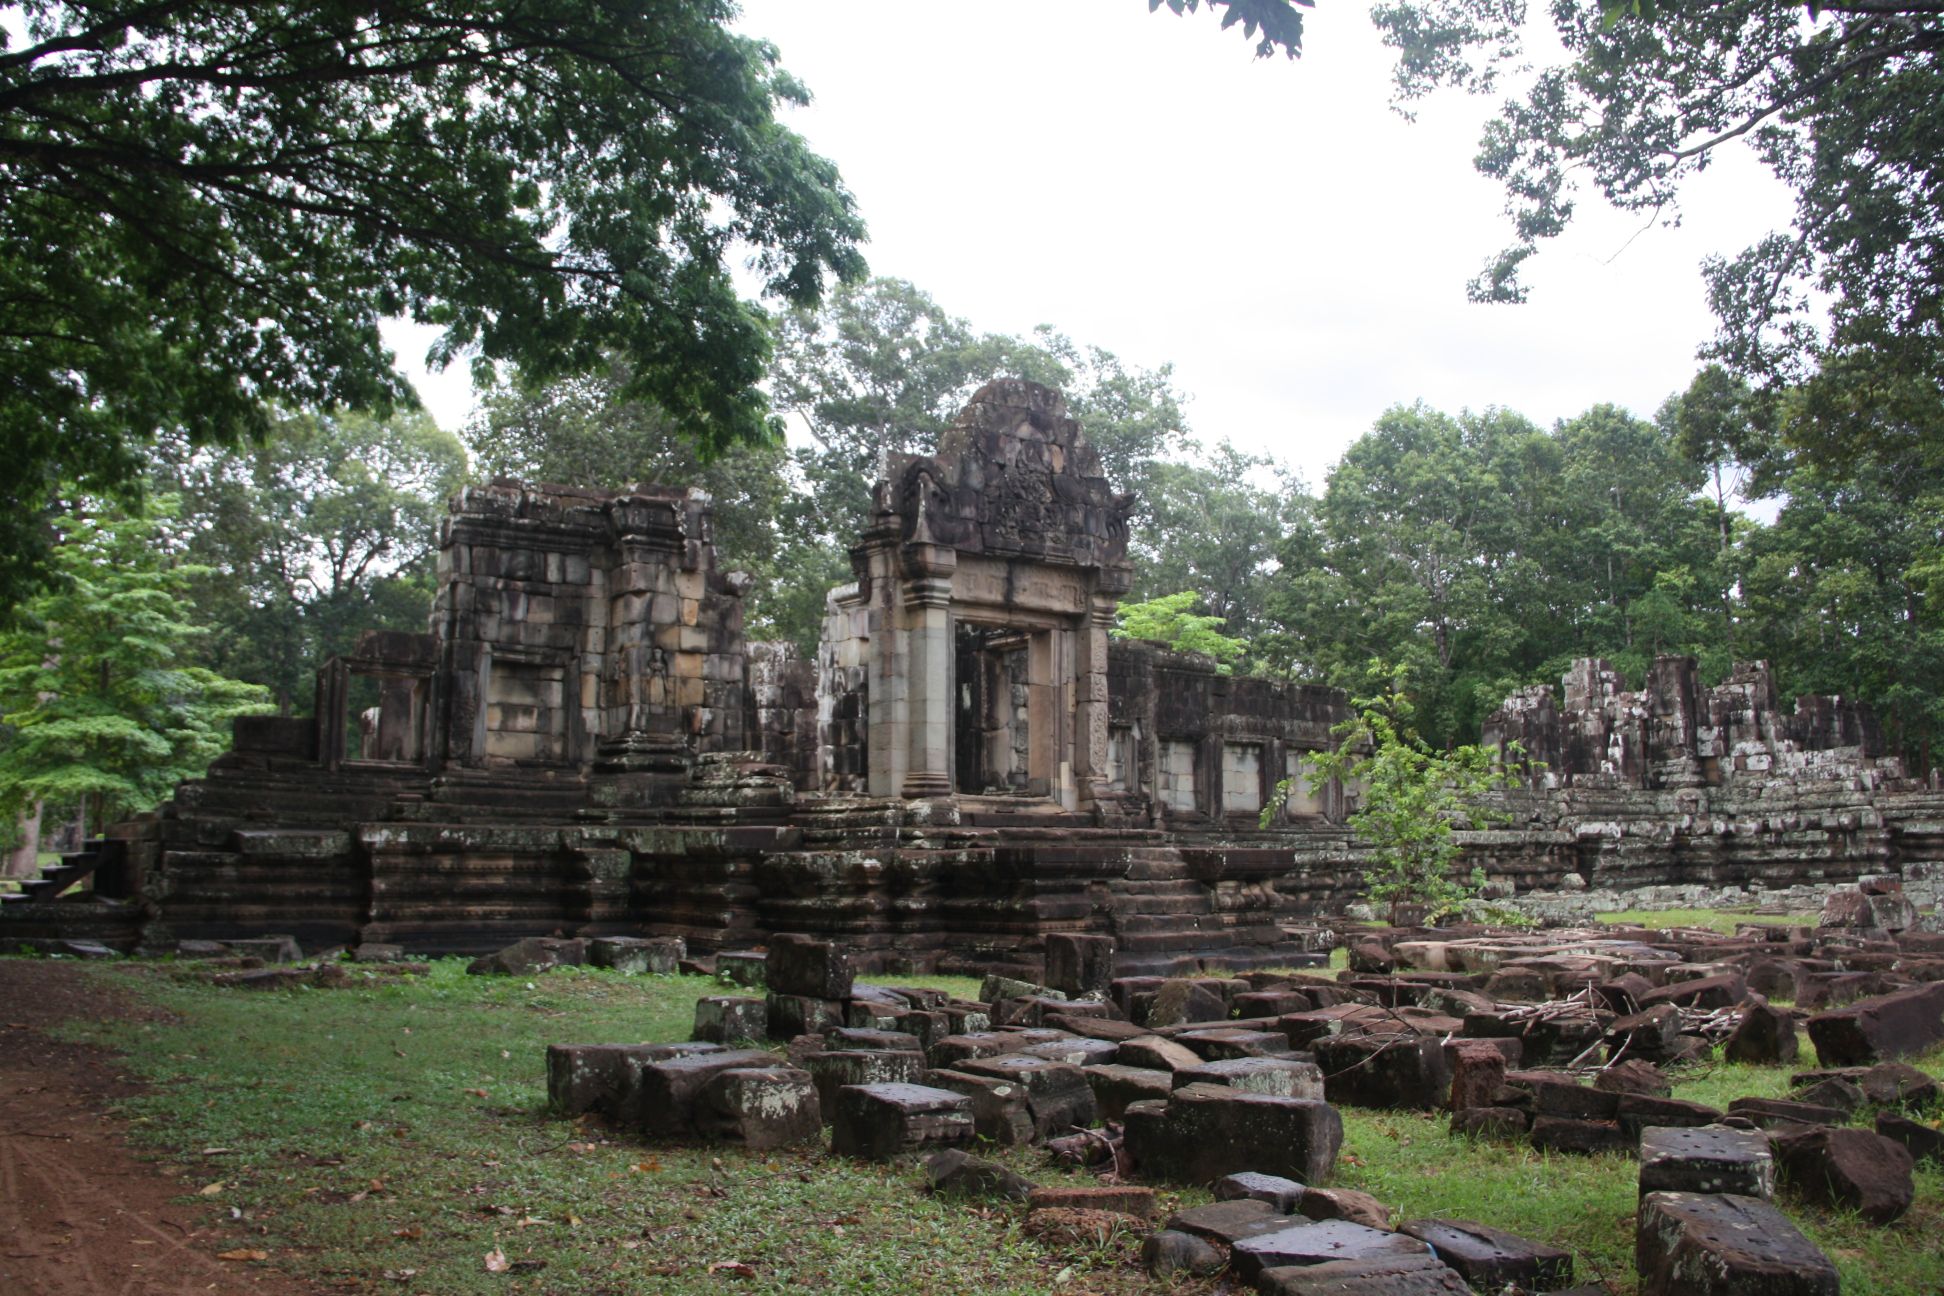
x=1634, y=1076
x=1851, y=1168
x=1156, y=1053
x=1477, y=1071
x=1000, y=1113
x=1280, y=1194
x=1714, y=1244
x=1229, y=1220
x=801, y=965
x=1179, y=1002
x=666, y=1090
x=1393, y=1275
x=1586, y=1137
x=1724, y=990
x=1283, y=1077
x=1557, y=1093
x=724, y=1019
x=1392, y=1071
x=1706, y=1160
x=637, y=955
x=1493, y=1124
x=1921, y=1141
x=759, y=1107
x=1832, y=1091
x=1491, y=1259
x=953, y=1049
x=1207, y=1131
x=1344, y=1204
x=527, y=957
x=1764, y=1036
x=867, y=1037
x=834, y=1069
x=1077, y=965
x=957, y=1173
x=1116, y=1086
x=1768, y=1112
x=1058, y=1095
x=1079, y=1051
x=794, y=1015
x=1874, y=1030
x=1168, y=1254
x=876, y=1122
x=602, y=1077
x=1312, y=1242
x=746, y=968
x=1216, y=1043
x=1651, y=1033
x=1643, y=1111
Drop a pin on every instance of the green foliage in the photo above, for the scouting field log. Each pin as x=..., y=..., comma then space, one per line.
x=100, y=699
x=210, y=206
x=327, y=529
x=1411, y=799
x=1838, y=102
x=1172, y=620
x=1483, y=552
x=1279, y=21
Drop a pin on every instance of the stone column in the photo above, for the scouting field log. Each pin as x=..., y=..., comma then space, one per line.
x=1090, y=700
x=928, y=687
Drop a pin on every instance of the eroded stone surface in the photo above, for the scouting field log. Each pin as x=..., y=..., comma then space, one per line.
x=1707, y=1244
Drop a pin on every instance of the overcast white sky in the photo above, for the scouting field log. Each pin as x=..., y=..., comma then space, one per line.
x=1295, y=249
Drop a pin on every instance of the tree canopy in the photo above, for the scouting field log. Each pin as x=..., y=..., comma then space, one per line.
x=1838, y=100
x=212, y=205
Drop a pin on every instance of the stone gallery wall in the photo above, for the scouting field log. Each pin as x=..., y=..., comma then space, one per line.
x=583, y=743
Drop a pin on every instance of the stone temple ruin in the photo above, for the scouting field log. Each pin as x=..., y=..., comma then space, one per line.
x=584, y=743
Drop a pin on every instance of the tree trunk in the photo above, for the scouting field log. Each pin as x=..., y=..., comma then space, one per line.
x=23, y=861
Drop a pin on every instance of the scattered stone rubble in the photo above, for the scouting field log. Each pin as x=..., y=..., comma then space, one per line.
x=1562, y=1039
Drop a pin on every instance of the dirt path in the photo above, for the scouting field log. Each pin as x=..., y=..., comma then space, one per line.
x=79, y=1214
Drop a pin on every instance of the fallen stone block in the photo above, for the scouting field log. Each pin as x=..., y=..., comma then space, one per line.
x=1215, y=1043
x=1875, y=1030
x=803, y=965
x=1230, y=1220
x=1853, y=1168
x=1344, y=1204
x=954, y=1172
x=1722, y=991
x=1280, y=1194
x=724, y=1019
x=834, y=1069
x=1407, y=1072
x=1583, y=1137
x=1477, y=1071
x=1179, y=1002
x=1709, y=1244
x=1313, y=1242
x=1634, y=1077
x=1057, y=1095
x=527, y=957
x=1207, y=1131
x=794, y=1015
x=953, y=1049
x=1642, y=1111
x=1169, y=1253
x=1120, y=1199
x=759, y=1107
x=1493, y=1124
x=665, y=1091
x=1490, y=1259
x=1920, y=1140
x=1279, y=1076
x=746, y=968
x=1400, y=1275
x=1764, y=1036
x=876, y=1122
x=1116, y=1086
x=637, y=955
x=1770, y=1112
x=1832, y=1091
x=1077, y=965
x=602, y=1077
x=866, y=1037
x=1706, y=1160
x=1076, y=1052
x=1000, y=1113
x=1898, y=1084
x=1652, y=1033
x=1156, y=1053
x=1555, y=1093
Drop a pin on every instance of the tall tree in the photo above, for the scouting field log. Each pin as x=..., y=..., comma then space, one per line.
x=212, y=205
x=102, y=703
x=327, y=529
x=1838, y=99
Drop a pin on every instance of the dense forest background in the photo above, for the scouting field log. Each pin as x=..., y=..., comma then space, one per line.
x=1478, y=549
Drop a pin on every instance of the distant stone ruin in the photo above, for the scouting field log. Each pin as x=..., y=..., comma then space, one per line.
x=583, y=743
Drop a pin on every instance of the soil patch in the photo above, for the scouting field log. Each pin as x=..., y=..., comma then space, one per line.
x=80, y=1215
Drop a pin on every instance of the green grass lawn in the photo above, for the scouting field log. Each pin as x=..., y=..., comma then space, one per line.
x=391, y=1137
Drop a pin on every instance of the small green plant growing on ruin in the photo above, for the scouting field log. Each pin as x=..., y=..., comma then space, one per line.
x=1412, y=801
x=1172, y=620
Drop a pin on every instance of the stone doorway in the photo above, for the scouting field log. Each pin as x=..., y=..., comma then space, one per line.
x=992, y=718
